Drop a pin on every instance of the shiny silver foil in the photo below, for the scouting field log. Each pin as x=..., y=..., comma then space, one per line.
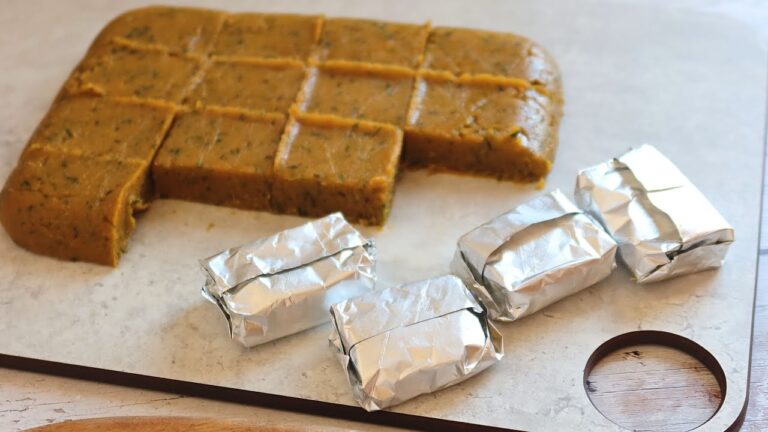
x=533, y=256
x=665, y=227
x=401, y=342
x=285, y=283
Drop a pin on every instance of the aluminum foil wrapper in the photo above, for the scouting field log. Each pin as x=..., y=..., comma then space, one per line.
x=285, y=283
x=412, y=339
x=665, y=227
x=533, y=256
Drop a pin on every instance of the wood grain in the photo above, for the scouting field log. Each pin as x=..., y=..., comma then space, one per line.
x=169, y=424
x=652, y=387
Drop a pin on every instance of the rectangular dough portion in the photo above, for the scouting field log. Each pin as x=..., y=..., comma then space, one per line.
x=268, y=35
x=371, y=41
x=72, y=207
x=220, y=157
x=120, y=129
x=255, y=85
x=468, y=51
x=326, y=164
x=366, y=92
x=490, y=126
x=124, y=71
x=175, y=29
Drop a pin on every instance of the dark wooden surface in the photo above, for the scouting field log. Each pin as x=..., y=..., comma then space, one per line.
x=171, y=424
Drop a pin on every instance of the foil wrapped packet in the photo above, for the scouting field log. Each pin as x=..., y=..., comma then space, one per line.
x=665, y=227
x=285, y=283
x=533, y=256
x=401, y=342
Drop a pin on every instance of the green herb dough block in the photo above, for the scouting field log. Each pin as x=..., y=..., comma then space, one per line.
x=219, y=157
x=378, y=94
x=326, y=164
x=296, y=114
x=104, y=127
x=73, y=207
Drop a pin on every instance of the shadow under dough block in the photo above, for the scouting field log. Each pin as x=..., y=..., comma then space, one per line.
x=467, y=51
x=219, y=157
x=103, y=127
x=482, y=125
x=370, y=41
x=255, y=85
x=124, y=71
x=367, y=92
x=326, y=164
x=268, y=36
x=179, y=30
x=72, y=207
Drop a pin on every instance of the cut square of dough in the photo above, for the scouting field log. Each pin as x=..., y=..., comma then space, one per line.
x=72, y=207
x=467, y=51
x=256, y=85
x=371, y=41
x=124, y=71
x=104, y=127
x=326, y=164
x=219, y=157
x=182, y=30
x=484, y=125
x=267, y=35
x=378, y=94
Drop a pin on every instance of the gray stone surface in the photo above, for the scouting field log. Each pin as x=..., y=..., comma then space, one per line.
x=691, y=83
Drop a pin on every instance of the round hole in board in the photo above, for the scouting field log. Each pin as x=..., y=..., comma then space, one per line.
x=654, y=381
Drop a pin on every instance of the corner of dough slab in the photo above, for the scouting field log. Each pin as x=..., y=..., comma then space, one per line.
x=73, y=208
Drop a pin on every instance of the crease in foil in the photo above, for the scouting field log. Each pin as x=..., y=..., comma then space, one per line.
x=285, y=283
x=664, y=225
x=401, y=342
x=532, y=256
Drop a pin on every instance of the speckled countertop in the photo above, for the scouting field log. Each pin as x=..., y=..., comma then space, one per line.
x=692, y=83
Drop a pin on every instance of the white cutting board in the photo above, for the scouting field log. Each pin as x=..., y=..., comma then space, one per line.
x=692, y=84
